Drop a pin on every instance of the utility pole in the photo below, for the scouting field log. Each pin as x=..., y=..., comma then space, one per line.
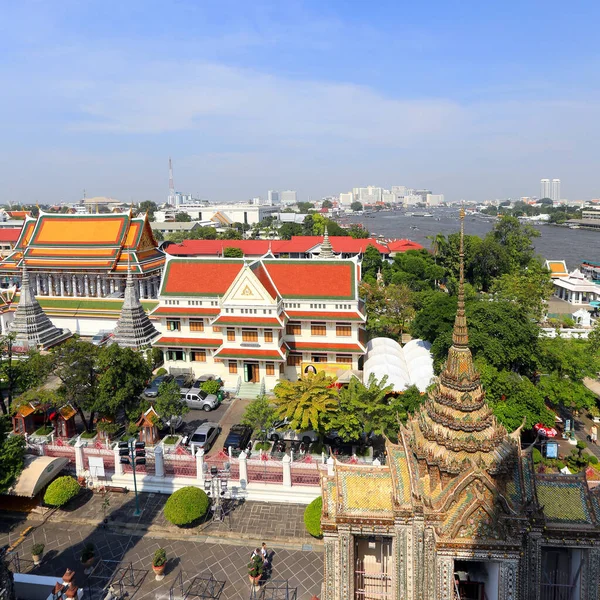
x=133, y=453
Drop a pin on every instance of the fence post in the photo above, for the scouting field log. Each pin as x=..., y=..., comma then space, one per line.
x=287, y=471
x=79, y=464
x=118, y=464
x=330, y=466
x=243, y=464
x=200, y=465
x=159, y=461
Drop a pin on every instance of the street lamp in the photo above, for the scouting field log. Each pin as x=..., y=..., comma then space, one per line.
x=215, y=486
x=133, y=453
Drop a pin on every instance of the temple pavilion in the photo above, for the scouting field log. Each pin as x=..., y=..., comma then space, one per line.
x=86, y=256
x=458, y=510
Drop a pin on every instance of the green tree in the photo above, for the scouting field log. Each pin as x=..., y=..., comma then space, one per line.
x=561, y=391
x=435, y=316
x=43, y=398
x=259, y=415
x=75, y=366
x=308, y=402
x=148, y=207
x=308, y=225
x=594, y=338
x=169, y=404
x=517, y=239
x=123, y=376
x=513, y=397
x=232, y=252
x=371, y=262
x=529, y=288
x=287, y=230
x=356, y=206
x=182, y=217
x=389, y=309
x=158, y=235
x=304, y=207
x=358, y=232
x=326, y=204
x=230, y=234
x=12, y=453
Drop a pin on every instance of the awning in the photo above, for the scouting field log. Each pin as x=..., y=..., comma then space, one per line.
x=174, y=342
x=248, y=322
x=314, y=347
x=249, y=353
x=38, y=472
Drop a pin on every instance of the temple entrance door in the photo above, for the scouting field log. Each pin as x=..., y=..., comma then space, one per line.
x=561, y=573
x=477, y=580
x=372, y=568
x=251, y=372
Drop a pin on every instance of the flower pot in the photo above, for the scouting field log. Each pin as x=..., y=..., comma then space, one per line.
x=159, y=572
x=37, y=559
x=88, y=564
x=254, y=580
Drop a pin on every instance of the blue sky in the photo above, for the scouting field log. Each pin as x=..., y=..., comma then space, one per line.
x=475, y=100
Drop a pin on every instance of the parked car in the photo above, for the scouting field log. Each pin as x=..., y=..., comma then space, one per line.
x=184, y=381
x=333, y=439
x=202, y=379
x=282, y=431
x=238, y=437
x=204, y=436
x=102, y=337
x=177, y=422
x=199, y=399
x=152, y=390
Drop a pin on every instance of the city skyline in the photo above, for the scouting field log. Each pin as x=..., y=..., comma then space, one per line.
x=271, y=96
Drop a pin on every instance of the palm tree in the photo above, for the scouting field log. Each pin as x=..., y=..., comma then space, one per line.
x=305, y=403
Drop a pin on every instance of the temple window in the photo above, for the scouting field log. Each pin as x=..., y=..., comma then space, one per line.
x=196, y=325
x=293, y=329
x=174, y=325
x=270, y=369
x=175, y=355
x=343, y=330
x=198, y=355
x=249, y=335
x=268, y=335
x=231, y=335
x=318, y=329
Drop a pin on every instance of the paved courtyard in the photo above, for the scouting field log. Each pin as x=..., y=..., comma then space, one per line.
x=218, y=550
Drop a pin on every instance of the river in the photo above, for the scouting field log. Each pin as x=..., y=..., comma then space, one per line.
x=555, y=243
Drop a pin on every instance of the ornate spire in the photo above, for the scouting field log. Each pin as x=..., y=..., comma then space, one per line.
x=455, y=428
x=326, y=247
x=134, y=329
x=31, y=325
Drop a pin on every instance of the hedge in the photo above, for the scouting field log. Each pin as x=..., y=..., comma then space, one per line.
x=312, y=517
x=61, y=490
x=186, y=505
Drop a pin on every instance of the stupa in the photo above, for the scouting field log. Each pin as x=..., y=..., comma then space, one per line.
x=326, y=247
x=134, y=329
x=31, y=325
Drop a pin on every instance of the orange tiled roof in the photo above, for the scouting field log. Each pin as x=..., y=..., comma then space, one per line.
x=107, y=242
x=242, y=321
x=173, y=311
x=324, y=315
x=189, y=277
x=249, y=353
x=166, y=340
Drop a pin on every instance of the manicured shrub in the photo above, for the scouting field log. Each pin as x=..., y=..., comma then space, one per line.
x=161, y=371
x=593, y=460
x=312, y=517
x=186, y=506
x=61, y=490
x=212, y=386
x=560, y=465
x=537, y=456
x=159, y=558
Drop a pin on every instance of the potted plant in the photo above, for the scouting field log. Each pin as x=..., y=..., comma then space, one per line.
x=159, y=562
x=255, y=569
x=36, y=553
x=88, y=555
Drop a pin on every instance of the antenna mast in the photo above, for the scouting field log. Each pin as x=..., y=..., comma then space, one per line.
x=171, y=184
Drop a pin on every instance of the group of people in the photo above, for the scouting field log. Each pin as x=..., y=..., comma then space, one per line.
x=263, y=553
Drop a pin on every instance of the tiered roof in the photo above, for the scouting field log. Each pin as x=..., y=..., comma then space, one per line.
x=455, y=427
x=104, y=242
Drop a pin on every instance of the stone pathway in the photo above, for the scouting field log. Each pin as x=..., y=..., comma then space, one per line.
x=220, y=549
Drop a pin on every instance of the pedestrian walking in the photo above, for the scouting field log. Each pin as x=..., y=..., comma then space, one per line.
x=594, y=434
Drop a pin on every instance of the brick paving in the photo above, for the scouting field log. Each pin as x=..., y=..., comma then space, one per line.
x=222, y=550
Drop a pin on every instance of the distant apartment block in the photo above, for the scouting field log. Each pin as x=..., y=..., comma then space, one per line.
x=435, y=199
x=288, y=197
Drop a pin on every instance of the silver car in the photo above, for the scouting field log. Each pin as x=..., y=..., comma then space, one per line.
x=199, y=399
x=204, y=436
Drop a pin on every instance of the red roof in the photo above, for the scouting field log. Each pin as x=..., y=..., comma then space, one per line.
x=325, y=315
x=403, y=245
x=200, y=277
x=323, y=347
x=248, y=353
x=242, y=321
x=264, y=278
x=181, y=341
x=10, y=234
x=216, y=247
x=171, y=311
x=313, y=278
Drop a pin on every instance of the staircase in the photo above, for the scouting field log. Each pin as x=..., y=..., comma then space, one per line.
x=249, y=390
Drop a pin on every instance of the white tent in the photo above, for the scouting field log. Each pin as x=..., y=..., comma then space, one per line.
x=411, y=365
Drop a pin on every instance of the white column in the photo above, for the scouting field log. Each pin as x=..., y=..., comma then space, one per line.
x=112, y=286
x=79, y=465
x=74, y=285
x=86, y=286
x=141, y=289
x=200, y=465
x=159, y=462
x=49, y=286
x=287, y=471
x=243, y=464
x=62, y=285
x=118, y=465
x=330, y=466
x=98, y=286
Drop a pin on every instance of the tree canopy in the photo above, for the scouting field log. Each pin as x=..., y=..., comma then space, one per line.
x=232, y=252
x=12, y=452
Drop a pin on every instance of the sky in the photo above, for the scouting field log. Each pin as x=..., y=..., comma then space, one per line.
x=475, y=100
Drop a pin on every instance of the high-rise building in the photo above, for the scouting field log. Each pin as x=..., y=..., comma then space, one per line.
x=288, y=197
x=273, y=197
x=368, y=195
x=555, y=193
x=346, y=199
x=435, y=199
x=544, y=188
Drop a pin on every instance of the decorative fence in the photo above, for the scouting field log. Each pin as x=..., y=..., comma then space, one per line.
x=147, y=469
x=60, y=450
x=221, y=460
x=265, y=470
x=180, y=464
x=107, y=455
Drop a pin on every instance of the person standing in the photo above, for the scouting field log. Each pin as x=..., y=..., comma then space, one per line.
x=594, y=434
